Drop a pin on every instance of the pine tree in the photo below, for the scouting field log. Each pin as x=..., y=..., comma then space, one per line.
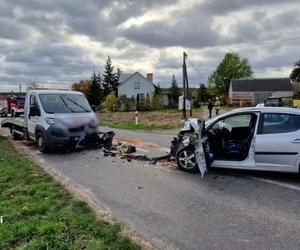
x=110, y=78
x=157, y=90
x=95, y=93
x=137, y=102
x=174, y=92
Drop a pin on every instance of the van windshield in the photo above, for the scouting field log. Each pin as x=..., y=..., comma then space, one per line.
x=64, y=103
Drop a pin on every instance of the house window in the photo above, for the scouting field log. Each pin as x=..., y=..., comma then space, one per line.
x=142, y=95
x=137, y=85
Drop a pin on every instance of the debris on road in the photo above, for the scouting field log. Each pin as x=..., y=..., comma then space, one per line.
x=136, y=142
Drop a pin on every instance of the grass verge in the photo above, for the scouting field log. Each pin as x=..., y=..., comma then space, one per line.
x=38, y=213
x=155, y=120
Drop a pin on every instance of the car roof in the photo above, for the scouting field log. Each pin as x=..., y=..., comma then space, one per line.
x=54, y=91
x=266, y=110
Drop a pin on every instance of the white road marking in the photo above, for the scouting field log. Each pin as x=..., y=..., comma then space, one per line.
x=278, y=183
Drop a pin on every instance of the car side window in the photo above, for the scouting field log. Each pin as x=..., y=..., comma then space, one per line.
x=275, y=123
x=239, y=121
x=33, y=103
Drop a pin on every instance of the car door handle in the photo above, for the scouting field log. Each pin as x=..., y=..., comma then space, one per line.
x=296, y=141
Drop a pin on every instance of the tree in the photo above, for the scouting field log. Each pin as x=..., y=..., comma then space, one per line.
x=231, y=67
x=157, y=89
x=95, y=93
x=126, y=104
x=295, y=74
x=212, y=90
x=157, y=102
x=203, y=93
x=110, y=78
x=146, y=103
x=137, y=102
x=83, y=86
x=174, y=92
x=111, y=101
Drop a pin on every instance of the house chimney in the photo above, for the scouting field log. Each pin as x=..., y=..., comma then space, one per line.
x=150, y=77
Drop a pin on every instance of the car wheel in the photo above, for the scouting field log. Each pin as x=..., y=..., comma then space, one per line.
x=186, y=159
x=41, y=142
x=15, y=135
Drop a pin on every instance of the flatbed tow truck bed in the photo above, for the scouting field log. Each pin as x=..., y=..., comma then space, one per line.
x=16, y=125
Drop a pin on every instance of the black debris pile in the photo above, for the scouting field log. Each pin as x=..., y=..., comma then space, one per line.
x=128, y=151
x=95, y=141
x=127, y=148
x=106, y=139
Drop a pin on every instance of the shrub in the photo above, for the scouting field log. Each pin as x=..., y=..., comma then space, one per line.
x=157, y=102
x=126, y=104
x=111, y=102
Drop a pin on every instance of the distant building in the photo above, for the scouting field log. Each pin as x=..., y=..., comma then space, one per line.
x=133, y=85
x=256, y=90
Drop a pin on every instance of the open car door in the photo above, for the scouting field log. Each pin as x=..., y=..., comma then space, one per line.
x=202, y=150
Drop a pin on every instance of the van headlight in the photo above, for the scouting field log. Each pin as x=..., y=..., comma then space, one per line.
x=50, y=121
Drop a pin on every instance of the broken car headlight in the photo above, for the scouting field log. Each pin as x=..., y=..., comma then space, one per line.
x=50, y=121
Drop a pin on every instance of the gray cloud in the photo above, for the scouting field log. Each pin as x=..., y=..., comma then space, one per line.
x=37, y=42
x=159, y=34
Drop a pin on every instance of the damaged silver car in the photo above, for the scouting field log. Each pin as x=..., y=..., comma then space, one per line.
x=258, y=138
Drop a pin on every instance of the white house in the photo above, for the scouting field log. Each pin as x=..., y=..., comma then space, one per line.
x=133, y=85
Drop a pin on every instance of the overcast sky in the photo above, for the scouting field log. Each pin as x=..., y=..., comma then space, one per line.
x=58, y=42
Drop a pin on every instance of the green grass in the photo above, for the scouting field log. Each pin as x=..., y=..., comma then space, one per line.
x=38, y=213
x=140, y=126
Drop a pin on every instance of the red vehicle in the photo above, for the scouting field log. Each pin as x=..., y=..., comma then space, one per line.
x=15, y=105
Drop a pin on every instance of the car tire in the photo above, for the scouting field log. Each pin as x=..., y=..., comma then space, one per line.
x=15, y=135
x=186, y=159
x=41, y=142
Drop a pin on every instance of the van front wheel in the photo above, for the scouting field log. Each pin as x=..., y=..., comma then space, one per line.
x=41, y=142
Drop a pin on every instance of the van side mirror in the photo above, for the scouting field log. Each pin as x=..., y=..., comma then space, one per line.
x=34, y=111
x=93, y=108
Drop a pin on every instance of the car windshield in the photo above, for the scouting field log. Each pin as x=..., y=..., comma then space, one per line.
x=64, y=103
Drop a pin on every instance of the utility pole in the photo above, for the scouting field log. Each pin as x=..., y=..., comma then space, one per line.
x=183, y=116
x=185, y=87
x=20, y=88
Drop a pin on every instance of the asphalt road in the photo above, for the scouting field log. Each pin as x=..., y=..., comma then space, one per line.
x=162, y=138
x=175, y=210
